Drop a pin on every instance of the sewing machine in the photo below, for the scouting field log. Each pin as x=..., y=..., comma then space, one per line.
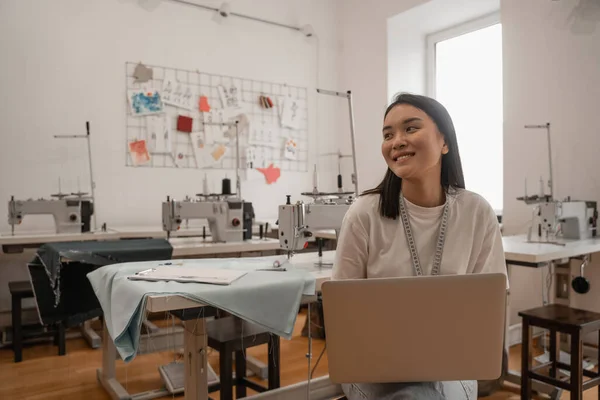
x=568, y=219
x=229, y=218
x=298, y=221
x=553, y=219
x=71, y=214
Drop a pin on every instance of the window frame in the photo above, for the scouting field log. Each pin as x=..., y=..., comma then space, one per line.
x=457, y=30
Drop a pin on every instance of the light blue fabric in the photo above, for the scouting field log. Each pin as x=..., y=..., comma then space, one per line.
x=266, y=298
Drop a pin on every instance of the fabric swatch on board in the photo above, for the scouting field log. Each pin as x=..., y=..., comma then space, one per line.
x=142, y=73
x=203, y=104
x=184, y=124
x=271, y=173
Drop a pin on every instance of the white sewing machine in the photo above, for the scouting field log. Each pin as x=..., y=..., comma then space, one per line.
x=71, y=214
x=569, y=219
x=229, y=218
x=552, y=219
x=298, y=221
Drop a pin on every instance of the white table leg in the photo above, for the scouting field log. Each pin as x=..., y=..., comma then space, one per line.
x=106, y=375
x=196, y=360
x=90, y=335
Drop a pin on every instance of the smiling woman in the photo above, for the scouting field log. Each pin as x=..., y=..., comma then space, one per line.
x=419, y=146
x=443, y=228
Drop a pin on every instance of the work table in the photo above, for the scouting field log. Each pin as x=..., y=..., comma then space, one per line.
x=19, y=241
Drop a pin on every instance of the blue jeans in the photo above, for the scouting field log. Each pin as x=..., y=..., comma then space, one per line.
x=454, y=390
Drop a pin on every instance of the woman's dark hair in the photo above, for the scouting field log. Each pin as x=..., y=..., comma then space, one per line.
x=452, y=173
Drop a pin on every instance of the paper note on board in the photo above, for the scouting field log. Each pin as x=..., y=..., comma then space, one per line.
x=290, y=115
x=139, y=152
x=250, y=157
x=229, y=97
x=201, y=150
x=176, y=93
x=158, y=134
x=144, y=102
x=290, y=149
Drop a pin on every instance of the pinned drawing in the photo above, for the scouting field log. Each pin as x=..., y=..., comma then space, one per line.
x=271, y=173
x=229, y=98
x=250, y=157
x=216, y=133
x=158, y=135
x=264, y=135
x=142, y=73
x=176, y=93
x=290, y=149
x=139, y=152
x=290, y=115
x=201, y=150
x=144, y=102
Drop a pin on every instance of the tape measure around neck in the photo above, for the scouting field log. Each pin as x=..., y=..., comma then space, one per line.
x=439, y=248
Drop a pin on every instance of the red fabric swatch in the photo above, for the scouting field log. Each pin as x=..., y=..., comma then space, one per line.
x=271, y=173
x=203, y=104
x=184, y=124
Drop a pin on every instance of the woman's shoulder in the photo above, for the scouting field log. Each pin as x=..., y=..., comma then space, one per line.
x=476, y=203
x=364, y=206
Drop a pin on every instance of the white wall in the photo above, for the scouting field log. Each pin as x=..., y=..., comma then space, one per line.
x=407, y=38
x=550, y=75
x=384, y=52
x=63, y=63
x=363, y=33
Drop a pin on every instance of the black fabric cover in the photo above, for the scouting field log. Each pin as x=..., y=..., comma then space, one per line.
x=59, y=274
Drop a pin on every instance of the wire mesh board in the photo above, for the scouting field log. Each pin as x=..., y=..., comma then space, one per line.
x=186, y=119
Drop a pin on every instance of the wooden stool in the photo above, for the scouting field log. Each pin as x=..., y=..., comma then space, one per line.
x=559, y=319
x=20, y=290
x=233, y=335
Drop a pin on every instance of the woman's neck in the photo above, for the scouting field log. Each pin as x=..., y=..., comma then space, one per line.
x=424, y=194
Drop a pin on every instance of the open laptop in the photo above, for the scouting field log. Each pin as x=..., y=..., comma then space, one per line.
x=415, y=329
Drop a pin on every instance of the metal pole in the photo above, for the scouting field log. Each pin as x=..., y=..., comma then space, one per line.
x=347, y=95
x=551, y=180
x=295, y=28
x=92, y=182
x=238, y=183
x=13, y=212
x=353, y=143
x=89, y=146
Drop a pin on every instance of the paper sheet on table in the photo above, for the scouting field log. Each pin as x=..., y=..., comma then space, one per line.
x=214, y=276
x=251, y=297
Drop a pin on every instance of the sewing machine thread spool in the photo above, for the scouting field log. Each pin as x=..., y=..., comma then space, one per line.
x=226, y=186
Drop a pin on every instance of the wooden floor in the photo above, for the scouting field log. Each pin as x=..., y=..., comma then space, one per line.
x=44, y=375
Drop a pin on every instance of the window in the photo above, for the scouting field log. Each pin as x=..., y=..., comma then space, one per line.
x=465, y=75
